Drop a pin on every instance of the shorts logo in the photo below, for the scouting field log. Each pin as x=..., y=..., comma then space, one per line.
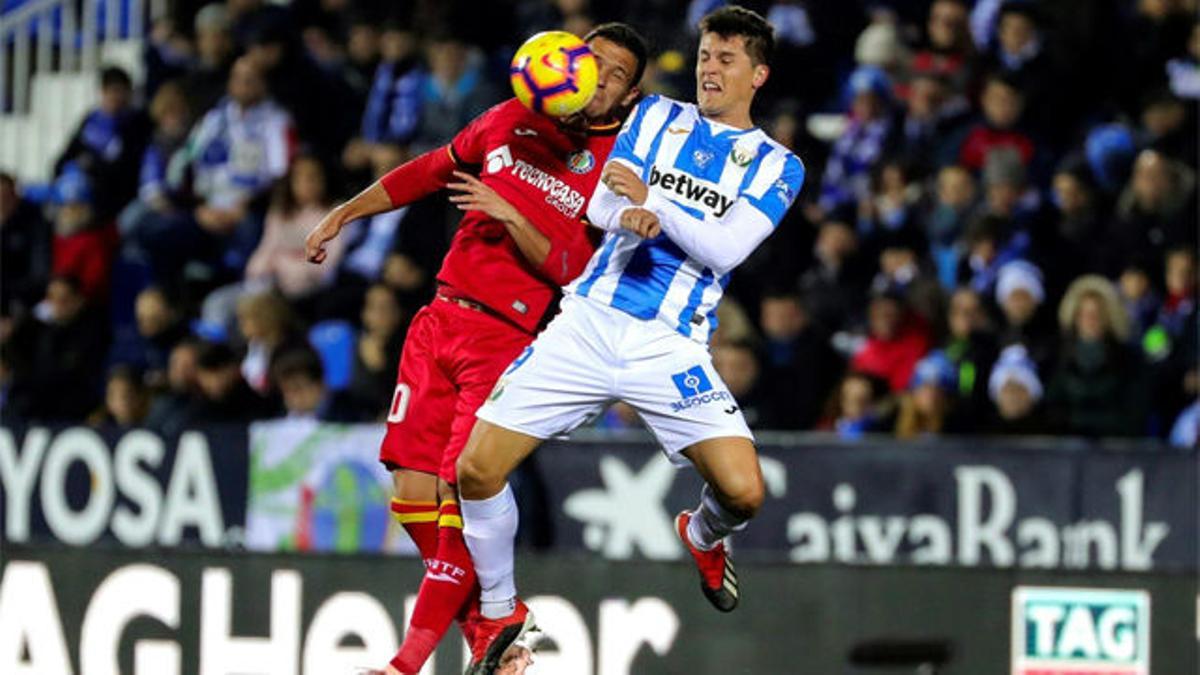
x=696, y=389
x=692, y=382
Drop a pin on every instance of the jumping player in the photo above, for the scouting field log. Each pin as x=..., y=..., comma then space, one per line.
x=688, y=193
x=521, y=239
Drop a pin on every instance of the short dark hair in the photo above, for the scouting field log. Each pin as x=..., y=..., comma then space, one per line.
x=732, y=20
x=299, y=362
x=114, y=76
x=215, y=356
x=625, y=36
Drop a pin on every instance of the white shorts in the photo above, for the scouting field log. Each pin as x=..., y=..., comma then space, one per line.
x=592, y=355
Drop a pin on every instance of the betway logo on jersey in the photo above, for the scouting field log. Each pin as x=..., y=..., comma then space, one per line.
x=692, y=191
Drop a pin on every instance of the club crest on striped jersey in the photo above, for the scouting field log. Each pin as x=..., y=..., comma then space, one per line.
x=581, y=162
x=702, y=158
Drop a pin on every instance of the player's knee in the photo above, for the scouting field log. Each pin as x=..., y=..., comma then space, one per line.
x=475, y=476
x=744, y=497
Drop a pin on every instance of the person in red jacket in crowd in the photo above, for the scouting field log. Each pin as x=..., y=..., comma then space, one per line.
x=523, y=181
x=1003, y=104
x=82, y=248
x=897, y=339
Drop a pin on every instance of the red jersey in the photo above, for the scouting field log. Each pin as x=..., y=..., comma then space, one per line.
x=549, y=176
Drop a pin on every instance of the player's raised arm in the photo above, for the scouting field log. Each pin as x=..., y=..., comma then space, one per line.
x=405, y=184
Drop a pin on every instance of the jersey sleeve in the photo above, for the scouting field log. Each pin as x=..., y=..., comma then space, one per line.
x=776, y=186
x=469, y=146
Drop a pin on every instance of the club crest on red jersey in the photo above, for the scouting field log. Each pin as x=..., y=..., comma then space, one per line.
x=581, y=162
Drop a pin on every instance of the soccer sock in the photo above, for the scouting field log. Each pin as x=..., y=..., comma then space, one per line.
x=448, y=584
x=419, y=520
x=712, y=522
x=490, y=526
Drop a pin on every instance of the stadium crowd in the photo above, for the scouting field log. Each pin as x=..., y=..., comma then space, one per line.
x=998, y=233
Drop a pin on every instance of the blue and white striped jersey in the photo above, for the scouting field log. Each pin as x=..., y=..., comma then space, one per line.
x=718, y=193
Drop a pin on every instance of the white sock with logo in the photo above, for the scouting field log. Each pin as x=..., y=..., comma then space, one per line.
x=712, y=522
x=489, y=526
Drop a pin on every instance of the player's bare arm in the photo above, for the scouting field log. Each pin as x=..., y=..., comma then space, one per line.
x=367, y=203
x=474, y=195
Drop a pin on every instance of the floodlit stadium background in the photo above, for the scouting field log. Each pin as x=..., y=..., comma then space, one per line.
x=971, y=348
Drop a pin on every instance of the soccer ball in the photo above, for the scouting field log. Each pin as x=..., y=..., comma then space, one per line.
x=554, y=73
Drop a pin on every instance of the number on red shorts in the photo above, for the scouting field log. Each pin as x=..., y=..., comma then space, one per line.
x=399, y=403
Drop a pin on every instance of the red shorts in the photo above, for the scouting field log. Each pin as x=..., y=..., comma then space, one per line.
x=452, y=357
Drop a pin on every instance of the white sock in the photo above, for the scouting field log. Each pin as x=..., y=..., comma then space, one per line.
x=712, y=522
x=489, y=526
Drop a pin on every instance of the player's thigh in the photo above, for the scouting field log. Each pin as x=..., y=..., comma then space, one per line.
x=492, y=452
x=421, y=414
x=562, y=380
x=730, y=465
x=681, y=398
x=476, y=366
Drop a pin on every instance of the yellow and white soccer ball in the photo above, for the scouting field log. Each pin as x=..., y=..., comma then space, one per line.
x=554, y=73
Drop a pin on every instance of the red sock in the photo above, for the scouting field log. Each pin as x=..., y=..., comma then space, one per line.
x=448, y=585
x=419, y=520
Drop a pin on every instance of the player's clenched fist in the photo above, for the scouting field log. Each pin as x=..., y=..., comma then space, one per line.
x=624, y=182
x=641, y=222
x=326, y=230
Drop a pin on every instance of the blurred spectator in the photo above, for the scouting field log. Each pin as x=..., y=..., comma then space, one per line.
x=970, y=346
x=948, y=50
x=859, y=406
x=896, y=339
x=234, y=155
x=377, y=352
x=799, y=367
x=880, y=46
x=298, y=376
x=1179, y=306
x=1003, y=105
x=301, y=200
x=867, y=138
x=1171, y=343
x=108, y=144
x=1016, y=393
x=170, y=410
x=267, y=324
x=1098, y=387
x=1141, y=301
x=1079, y=229
x=455, y=92
x=733, y=324
x=1169, y=126
x=955, y=203
x=935, y=120
x=159, y=328
x=1156, y=211
x=737, y=364
x=987, y=250
x=25, y=248
x=205, y=81
x=1186, y=431
x=1021, y=57
x=928, y=407
x=321, y=105
x=56, y=356
x=893, y=204
x=172, y=119
x=1183, y=73
x=393, y=111
x=126, y=400
x=1158, y=32
x=1021, y=297
x=1110, y=151
x=84, y=242
x=834, y=286
x=224, y=396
